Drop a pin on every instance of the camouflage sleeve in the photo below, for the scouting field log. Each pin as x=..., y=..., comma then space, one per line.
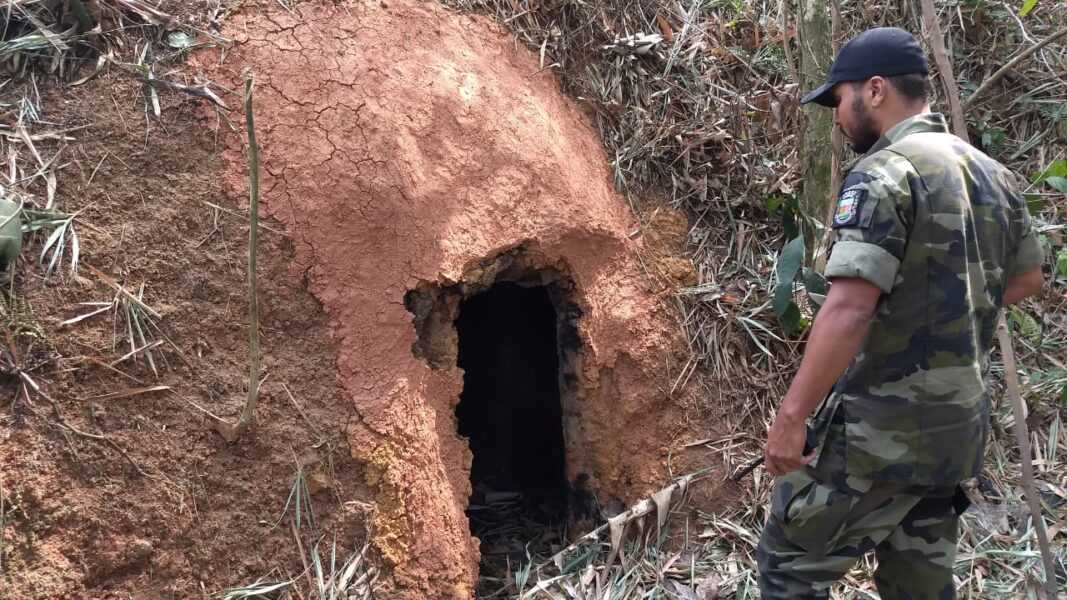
x=1028, y=255
x=871, y=229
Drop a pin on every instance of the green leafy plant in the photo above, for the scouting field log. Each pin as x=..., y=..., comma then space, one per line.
x=790, y=210
x=1027, y=326
x=993, y=140
x=1054, y=176
x=300, y=500
x=522, y=575
x=789, y=265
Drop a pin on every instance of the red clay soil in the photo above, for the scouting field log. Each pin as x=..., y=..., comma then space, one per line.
x=403, y=145
x=77, y=522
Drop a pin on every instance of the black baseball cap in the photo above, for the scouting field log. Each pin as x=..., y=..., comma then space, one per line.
x=883, y=51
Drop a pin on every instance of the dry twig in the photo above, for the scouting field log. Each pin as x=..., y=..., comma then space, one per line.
x=62, y=422
x=1008, y=66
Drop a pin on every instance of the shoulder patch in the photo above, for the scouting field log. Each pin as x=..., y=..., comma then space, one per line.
x=848, y=207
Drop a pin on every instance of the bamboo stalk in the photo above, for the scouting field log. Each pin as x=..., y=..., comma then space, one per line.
x=1022, y=436
x=234, y=432
x=814, y=37
x=837, y=153
x=786, y=47
x=944, y=67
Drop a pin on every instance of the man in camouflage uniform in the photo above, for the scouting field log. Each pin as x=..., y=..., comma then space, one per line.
x=933, y=238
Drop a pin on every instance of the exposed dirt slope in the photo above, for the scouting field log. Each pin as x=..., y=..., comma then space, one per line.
x=79, y=522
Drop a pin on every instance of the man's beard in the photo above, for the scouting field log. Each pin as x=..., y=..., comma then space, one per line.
x=866, y=133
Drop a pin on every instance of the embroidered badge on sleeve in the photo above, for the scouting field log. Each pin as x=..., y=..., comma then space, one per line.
x=848, y=207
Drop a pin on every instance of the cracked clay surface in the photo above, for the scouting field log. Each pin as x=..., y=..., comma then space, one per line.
x=402, y=144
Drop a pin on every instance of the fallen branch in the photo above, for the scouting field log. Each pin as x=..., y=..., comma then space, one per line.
x=104, y=307
x=301, y=412
x=100, y=363
x=245, y=217
x=146, y=348
x=203, y=410
x=1025, y=54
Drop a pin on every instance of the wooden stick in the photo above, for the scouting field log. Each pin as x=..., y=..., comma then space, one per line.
x=1025, y=54
x=3, y=521
x=944, y=67
x=1011, y=377
x=1022, y=436
x=232, y=433
x=786, y=48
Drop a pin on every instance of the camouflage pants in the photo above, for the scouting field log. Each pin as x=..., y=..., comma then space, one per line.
x=822, y=521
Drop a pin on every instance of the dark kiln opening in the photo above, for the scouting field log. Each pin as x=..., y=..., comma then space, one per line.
x=512, y=327
x=510, y=412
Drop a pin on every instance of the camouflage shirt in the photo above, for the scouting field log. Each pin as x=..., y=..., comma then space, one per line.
x=939, y=227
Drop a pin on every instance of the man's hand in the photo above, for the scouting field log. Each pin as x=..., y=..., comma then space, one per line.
x=785, y=446
x=835, y=338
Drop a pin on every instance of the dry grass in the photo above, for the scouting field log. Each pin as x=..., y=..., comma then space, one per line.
x=52, y=42
x=326, y=575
